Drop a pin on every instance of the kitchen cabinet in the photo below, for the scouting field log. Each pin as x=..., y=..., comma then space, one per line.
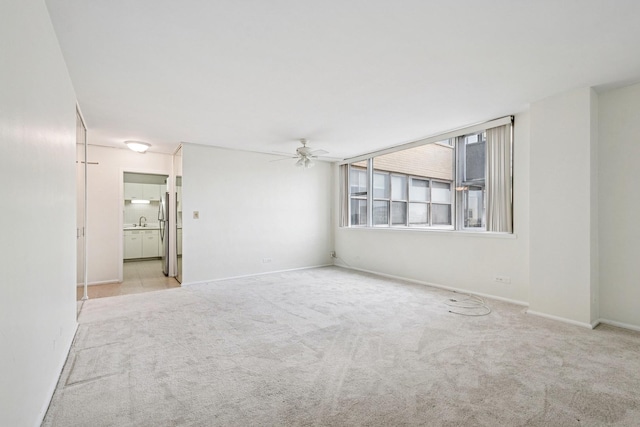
x=132, y=244
x=132, y=191
x=141, y=244
x=150, y=243
x=135, y=191
x=151, y=192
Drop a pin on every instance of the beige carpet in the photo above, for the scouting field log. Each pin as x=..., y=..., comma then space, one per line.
x=333, y=347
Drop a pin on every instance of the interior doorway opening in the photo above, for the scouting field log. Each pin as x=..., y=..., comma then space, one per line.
x=146, y=253
x=145, y=237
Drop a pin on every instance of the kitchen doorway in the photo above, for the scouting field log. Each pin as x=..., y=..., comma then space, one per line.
x=146, y=233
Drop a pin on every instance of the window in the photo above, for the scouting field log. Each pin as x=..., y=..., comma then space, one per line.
x=399, y=200
x=458, y=183
x=358, y=194
x=381, y=192
x=413, y=187
x=419, y=192
x=441, y=203
x=471, y=180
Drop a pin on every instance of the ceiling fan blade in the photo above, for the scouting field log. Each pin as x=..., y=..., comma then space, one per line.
x=319, y=152
x=282, y=153
x=284, y=158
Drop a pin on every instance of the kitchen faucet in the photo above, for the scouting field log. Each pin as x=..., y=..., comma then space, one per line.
x=140, y=221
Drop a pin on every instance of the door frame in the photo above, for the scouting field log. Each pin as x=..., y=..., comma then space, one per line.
x=172, y=201
x=85, y=274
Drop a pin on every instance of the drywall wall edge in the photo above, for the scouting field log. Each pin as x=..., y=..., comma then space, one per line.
x=52, y=388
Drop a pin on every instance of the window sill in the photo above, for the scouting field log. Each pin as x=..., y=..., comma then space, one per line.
x=445, y=232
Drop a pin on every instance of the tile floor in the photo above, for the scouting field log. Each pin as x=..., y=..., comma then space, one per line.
x=138, y=277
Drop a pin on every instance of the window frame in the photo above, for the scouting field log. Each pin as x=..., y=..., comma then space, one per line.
x=463, y=184
x=456, y=203
x=359, y=196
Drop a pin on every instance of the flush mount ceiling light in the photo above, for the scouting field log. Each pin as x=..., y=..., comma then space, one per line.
x=138, y=146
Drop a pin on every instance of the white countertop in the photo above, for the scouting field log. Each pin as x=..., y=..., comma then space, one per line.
x=137, y=227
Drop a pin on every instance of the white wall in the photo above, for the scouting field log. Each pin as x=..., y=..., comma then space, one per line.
x=453, y=259
x=619, y=203
x=250, y=209
x=105, y=204
x=563, y=266
x=38, y=252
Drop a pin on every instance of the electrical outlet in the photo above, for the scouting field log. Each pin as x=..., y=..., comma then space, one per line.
x=503, y=279
x=266, y=260
x=332, y=254
x=196, y=215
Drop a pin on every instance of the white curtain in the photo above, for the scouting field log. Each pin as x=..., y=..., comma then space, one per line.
x=498, y=180
x=344, y=195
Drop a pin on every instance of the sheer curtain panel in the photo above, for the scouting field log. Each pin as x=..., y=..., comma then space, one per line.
x=344, y=195
x=499, y=187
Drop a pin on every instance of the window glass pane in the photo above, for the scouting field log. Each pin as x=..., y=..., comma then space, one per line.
x=441, y=214
x=474, y=158
x=380, y=212
x=419, y=190
x=358, y=181
x=358, y=212
x=474, y=207
x=398, y=187
x=440, y=192
x=419, y=214
x=398, y=213
x=380, y=185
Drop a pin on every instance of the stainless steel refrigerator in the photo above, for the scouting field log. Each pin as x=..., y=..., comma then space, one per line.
x=163, y=223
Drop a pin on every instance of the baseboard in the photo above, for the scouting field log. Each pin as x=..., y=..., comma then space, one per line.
x=101, y=282
x=436, y=285
x=52, y=388
x=620, y=324
x=203, y=282
x=564, y=319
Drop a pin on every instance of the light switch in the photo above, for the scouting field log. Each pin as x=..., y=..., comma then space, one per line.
x=196, y=215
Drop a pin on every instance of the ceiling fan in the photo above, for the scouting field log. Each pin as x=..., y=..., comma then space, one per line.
x=305, y=155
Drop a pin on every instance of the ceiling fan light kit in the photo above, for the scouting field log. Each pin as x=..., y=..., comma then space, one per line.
x=305, y=155
x=305, y=162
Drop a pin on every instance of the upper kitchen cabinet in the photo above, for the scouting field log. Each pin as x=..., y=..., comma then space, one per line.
x=136, y=191
x=132, y=191
x=151, y=192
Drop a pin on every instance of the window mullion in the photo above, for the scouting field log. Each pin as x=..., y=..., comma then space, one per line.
x=370, y=192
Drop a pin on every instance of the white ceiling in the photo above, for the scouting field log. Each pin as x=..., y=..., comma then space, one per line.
x=352, y=76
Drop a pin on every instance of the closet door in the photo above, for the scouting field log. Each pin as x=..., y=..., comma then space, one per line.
x=81, y=205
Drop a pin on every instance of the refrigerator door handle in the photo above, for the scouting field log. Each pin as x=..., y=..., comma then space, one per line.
x=161, y=223
x=160, y=212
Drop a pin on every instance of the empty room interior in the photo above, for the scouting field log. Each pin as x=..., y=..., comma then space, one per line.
x=320, y=213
